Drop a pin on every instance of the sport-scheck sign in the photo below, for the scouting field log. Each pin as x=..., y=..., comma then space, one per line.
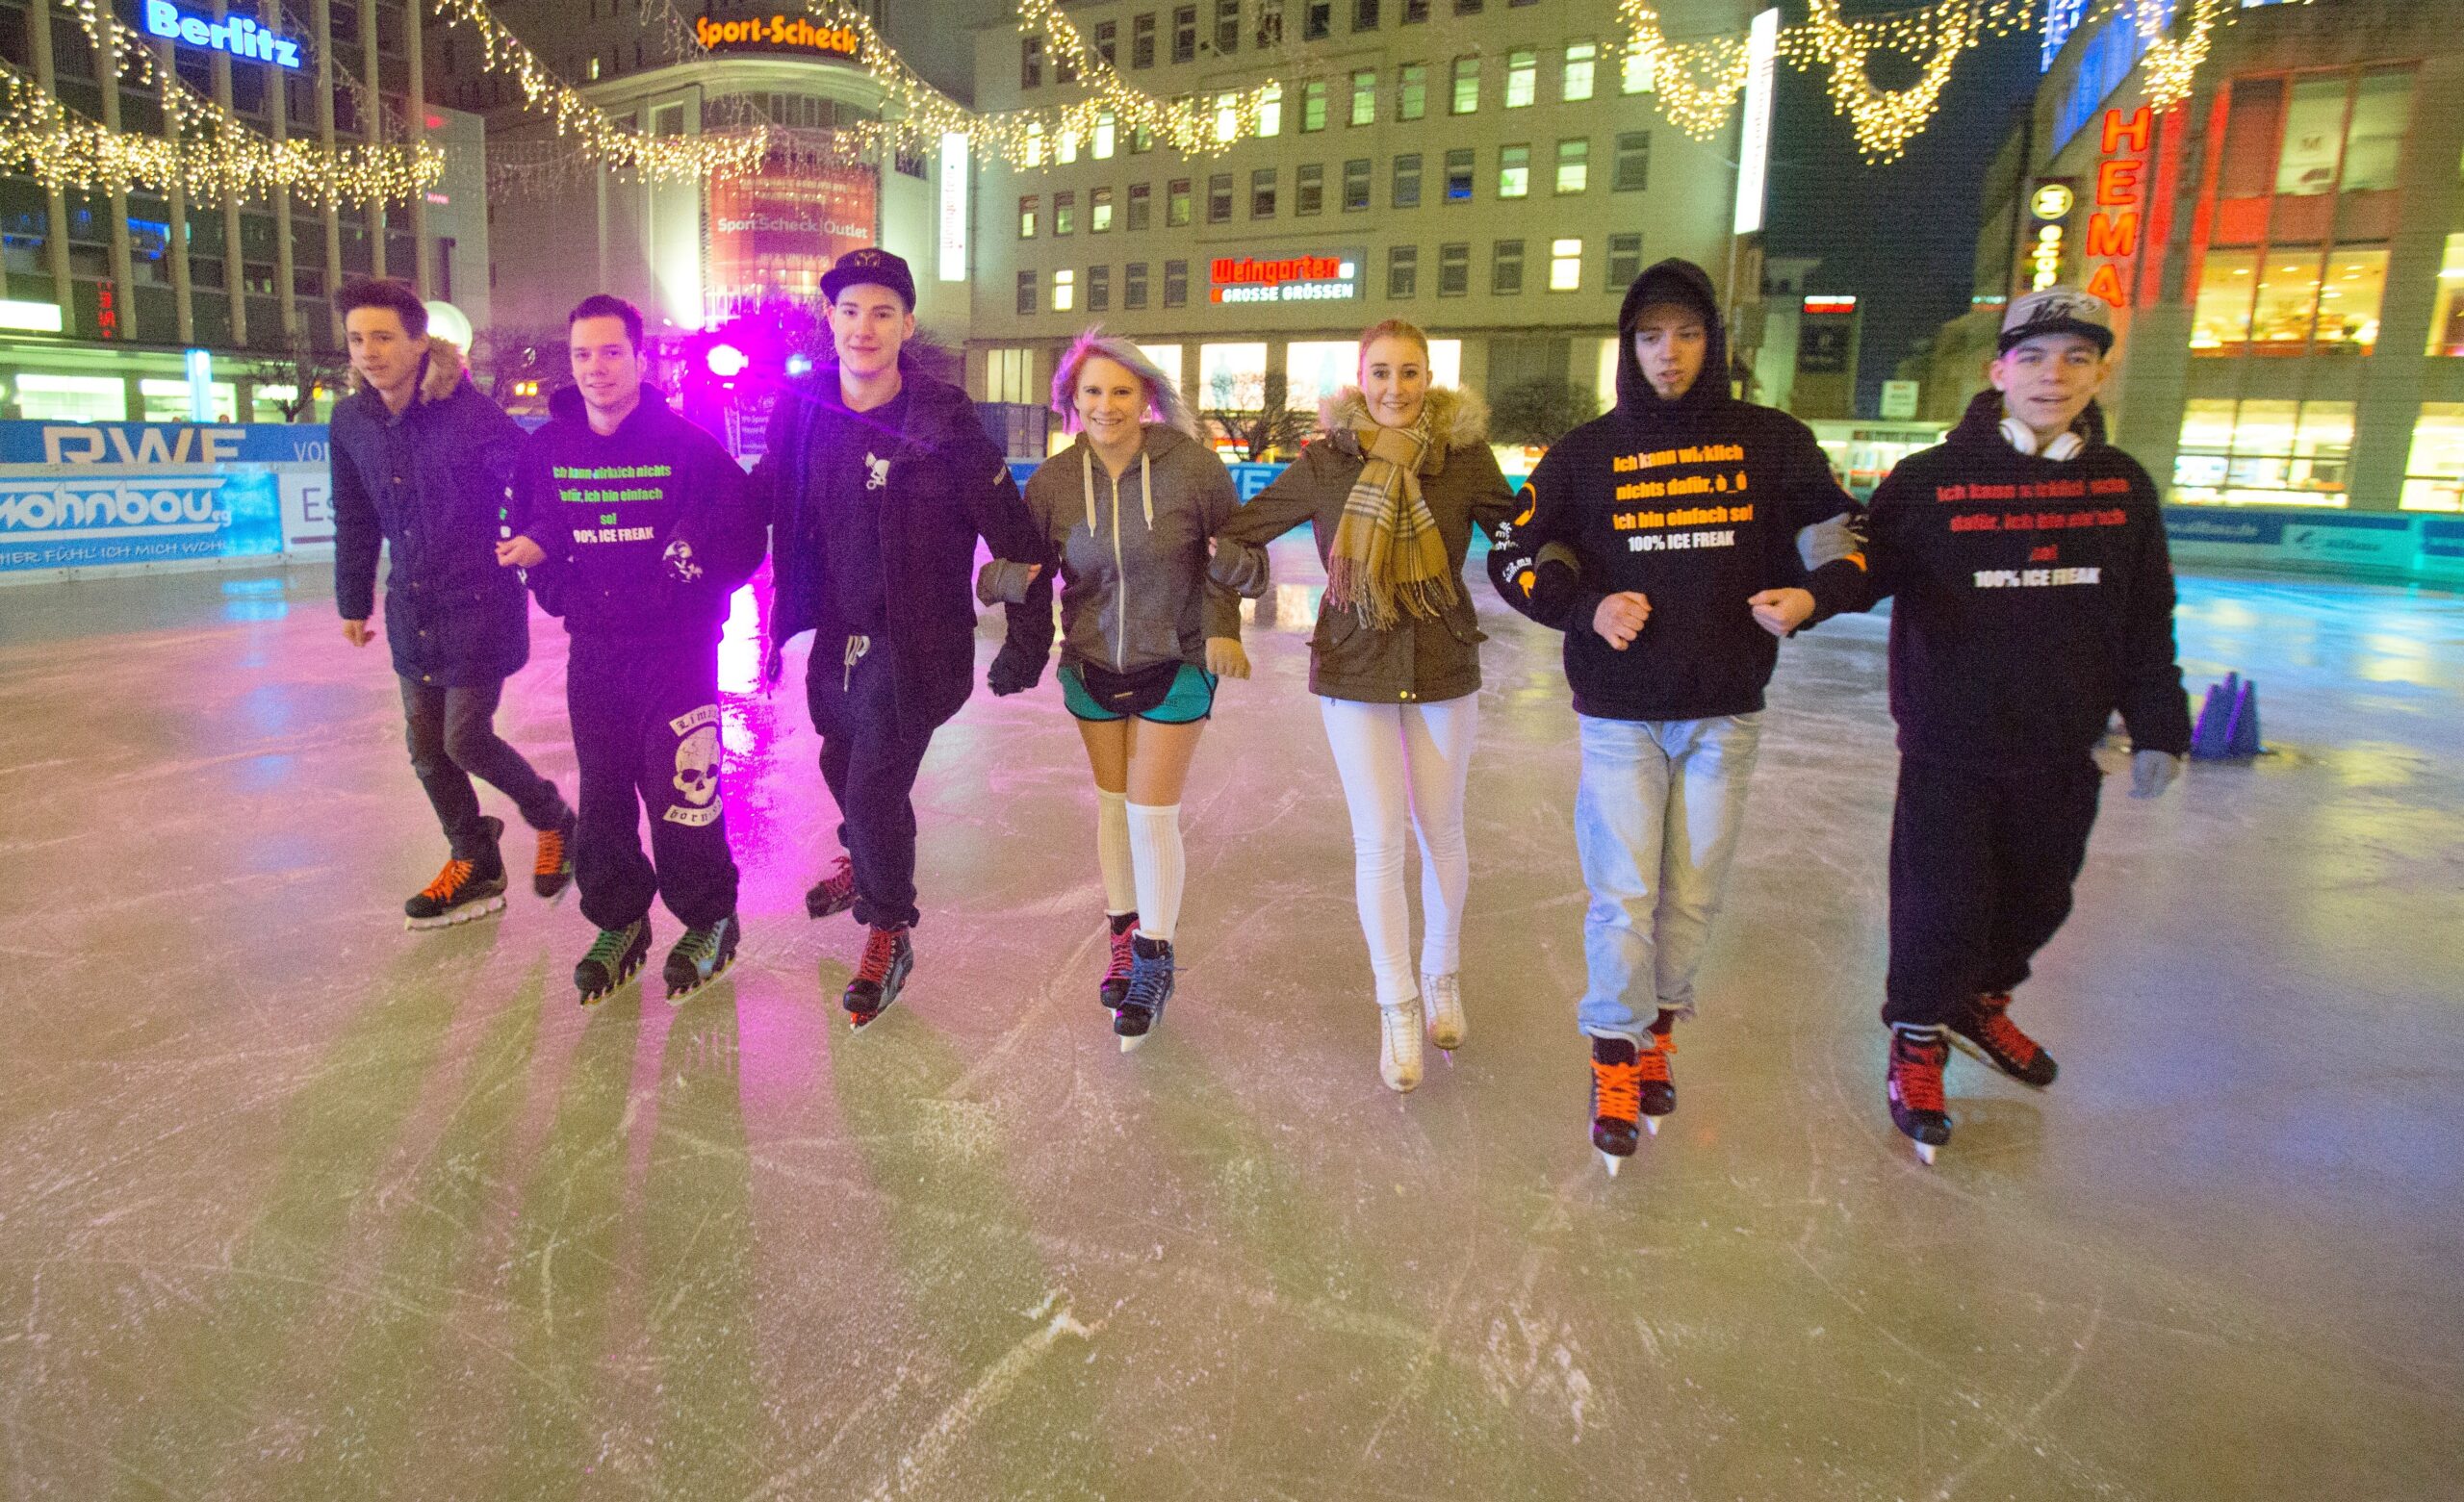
x=775, y=34
x=1285, y=279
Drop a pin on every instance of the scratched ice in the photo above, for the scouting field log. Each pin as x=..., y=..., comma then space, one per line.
x=295, y=1204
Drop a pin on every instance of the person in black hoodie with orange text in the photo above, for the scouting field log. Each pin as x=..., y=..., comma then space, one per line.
x=2033, y=598
x=635, y=526
x=1662, y=539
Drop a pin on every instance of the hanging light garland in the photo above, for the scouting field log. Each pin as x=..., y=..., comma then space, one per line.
x=206, y=153
x=664, y=159
x=1697, y=82
x=1885, y=119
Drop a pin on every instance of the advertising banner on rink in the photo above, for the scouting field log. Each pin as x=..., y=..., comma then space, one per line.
x=145, y=495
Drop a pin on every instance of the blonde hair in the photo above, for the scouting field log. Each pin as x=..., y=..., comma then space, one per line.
x=1163, y=401
x=1394, y=328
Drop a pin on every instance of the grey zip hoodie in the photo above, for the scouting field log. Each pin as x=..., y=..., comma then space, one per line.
x=1134, y=588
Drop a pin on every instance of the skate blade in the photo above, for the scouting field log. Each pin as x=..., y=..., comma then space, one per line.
x=1650, y=1124
x=469, y=912
x=1610, y=1161
x=678, y=998
x=594, y=998
x=1925, y=1152
x=1132, y=1042
x=1448, y=1054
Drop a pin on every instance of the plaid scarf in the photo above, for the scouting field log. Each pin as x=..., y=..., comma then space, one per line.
x=1388, y=559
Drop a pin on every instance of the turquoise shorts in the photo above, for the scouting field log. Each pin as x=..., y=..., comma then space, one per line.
x=1192, y=697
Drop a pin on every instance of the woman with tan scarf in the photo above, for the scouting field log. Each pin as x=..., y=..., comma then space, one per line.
x=1393, y=486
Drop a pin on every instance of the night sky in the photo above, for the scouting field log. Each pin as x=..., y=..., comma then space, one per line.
x=1902, y=237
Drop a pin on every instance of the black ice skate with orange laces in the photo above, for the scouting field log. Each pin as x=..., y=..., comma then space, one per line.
x=889, y=954
x=1988, y=1032
x=464, y=890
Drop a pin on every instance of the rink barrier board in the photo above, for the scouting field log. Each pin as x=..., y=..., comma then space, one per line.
x=88, y=499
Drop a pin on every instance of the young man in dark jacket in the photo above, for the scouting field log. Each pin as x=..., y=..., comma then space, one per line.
x=1679, y=513
x=877, y=480
x=635, y=526
x=2034, y=598
x=421, y=464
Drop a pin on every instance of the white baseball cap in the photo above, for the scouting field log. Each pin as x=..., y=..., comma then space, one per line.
x=2057, y=310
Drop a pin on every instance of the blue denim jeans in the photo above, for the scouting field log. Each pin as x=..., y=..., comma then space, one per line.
x=1655, y=821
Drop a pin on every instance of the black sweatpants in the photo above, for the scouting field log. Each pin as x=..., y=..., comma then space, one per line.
x=1981, y=866
x=647, y=734
x=453, y=737
x=871, y=765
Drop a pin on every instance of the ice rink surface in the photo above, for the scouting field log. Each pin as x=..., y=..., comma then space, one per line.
x=295, y=1204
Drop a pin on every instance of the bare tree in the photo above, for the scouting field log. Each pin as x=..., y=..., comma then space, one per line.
x=307, y=373
x=1272, y=426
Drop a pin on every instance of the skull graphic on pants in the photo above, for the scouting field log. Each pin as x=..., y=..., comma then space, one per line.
x=697, y=766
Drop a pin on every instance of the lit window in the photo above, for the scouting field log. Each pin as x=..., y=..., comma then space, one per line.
x=2257, y=454
x=1565, y=265
x=1411, y=91
x=1065, y=291
x=1068, y=151
x=1514, y=171
x=1467, y=85
x=1227, y=117
x=1573, y=165
x=1458, y=175
x=2434, y=474
x=1099, y=211
x=1522, y=78
x=1575, y=84
x=1106, y=133
x=1313, y=107
x=1364, y=99
x=2446, y=315
x=1636, y=75
x=1027, y=217
x=1270, y=110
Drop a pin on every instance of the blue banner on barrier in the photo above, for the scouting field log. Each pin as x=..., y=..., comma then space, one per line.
x=134, y=519
x=1248, y=479
x=152, y=444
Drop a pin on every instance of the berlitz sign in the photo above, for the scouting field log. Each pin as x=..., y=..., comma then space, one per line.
x=779, y=33
x=1331, y=278
x=239, y=36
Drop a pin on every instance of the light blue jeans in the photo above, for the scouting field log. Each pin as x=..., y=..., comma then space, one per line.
x=1655, y=821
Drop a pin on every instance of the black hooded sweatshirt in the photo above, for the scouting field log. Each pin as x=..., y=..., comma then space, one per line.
x=1694, y=503
x=648, y=530
x=2033, y=598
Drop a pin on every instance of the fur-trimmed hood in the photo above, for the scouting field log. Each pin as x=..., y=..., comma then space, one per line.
x=1457, y=416
x=440, y=370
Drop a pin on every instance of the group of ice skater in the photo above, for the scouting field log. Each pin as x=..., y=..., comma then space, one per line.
x=1673, y=540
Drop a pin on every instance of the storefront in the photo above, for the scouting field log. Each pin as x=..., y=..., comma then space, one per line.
x=2285, y=249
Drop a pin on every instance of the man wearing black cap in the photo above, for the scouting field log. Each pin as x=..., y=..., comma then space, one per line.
x=1679, y=513
x=878, y=479
x=2035, y=597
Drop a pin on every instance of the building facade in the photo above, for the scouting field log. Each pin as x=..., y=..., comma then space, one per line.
x=696, y=256
x=2285, y=249
x=135, y=278
x=1492, y=170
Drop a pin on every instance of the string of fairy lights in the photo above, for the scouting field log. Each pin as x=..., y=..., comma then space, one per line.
x=1695, y=83
x=204, y=150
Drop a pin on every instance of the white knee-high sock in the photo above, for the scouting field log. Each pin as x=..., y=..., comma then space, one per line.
x=1111, y=851
x=1155, y=852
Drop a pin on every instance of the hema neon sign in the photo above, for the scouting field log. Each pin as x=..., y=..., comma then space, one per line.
x=240, y=37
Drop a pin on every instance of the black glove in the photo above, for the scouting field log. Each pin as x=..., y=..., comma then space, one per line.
x=1015, y=669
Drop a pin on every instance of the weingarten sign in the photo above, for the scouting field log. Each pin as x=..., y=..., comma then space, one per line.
x=1303, y=278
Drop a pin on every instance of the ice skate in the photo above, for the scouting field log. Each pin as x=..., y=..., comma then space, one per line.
x=1616, y=1101
x=1398, y=1047
x=1658, y=1082
x=614, y=957
x=1150, y=986
x=888, y=955
x=1442, y=999
x=1124, y=951
x=833, y=894
x=699, y=958
x=464, y=890
x=1988, y=1035
x=1914, y=1088
x=551, y=871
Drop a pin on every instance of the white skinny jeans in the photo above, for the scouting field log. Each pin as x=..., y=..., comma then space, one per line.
x=1403, y=767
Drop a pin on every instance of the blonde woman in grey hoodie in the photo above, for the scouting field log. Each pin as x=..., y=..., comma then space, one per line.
x=1144, y=635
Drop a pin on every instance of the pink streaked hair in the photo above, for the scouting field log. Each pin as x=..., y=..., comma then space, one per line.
x=1164, y=400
